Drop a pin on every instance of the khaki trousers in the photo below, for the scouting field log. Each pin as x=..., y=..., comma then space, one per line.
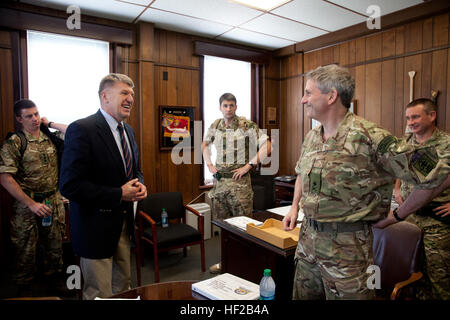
x=105, y=277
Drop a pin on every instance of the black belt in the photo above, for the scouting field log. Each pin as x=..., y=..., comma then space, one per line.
x=427, y=211
x=336, y=226
x=39, y=196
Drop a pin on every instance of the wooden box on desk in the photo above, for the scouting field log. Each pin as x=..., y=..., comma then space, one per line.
x=272, y=231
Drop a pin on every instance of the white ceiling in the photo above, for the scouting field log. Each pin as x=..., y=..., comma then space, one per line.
x=295, y=21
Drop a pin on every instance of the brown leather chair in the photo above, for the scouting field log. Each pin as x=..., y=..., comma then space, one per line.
x=396, y=250
x=177, y=235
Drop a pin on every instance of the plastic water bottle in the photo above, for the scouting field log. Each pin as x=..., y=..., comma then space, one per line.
x=47, y=221
x=267, y=286
x=164, y=218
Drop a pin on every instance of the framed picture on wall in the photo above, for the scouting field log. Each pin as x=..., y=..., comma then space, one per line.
x=176, y=124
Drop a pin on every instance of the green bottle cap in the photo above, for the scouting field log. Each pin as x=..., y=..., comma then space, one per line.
x=267, y=272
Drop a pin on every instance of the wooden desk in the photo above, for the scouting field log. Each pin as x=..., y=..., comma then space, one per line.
x=247, y=256
x=284, y=191
x=171, y=290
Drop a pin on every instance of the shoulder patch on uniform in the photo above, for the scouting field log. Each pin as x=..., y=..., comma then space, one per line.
x=423, y=163
x=384, y=145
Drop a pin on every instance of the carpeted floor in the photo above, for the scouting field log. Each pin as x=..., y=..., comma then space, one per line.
x=173, y=266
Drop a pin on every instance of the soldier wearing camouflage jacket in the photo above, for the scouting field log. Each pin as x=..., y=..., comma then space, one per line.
x=434, y=218
x=236, y=140
x=32, y=179
x=345, y=180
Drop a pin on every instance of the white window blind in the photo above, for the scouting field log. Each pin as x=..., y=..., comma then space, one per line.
x=64, y=73
x=220, y=76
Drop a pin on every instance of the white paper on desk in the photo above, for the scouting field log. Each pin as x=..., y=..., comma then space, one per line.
x=283, y=211
x=242, y=221
x=227, y=287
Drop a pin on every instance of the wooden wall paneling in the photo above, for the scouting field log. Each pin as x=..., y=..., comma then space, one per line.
x=413, y=36
x=344, y=53
x=352, y=52
x=373, y=93
x=360, y=89
x=6, y=93
x=160, y=99
x=399, y=122
x=360, y=50
x=171, y=48
x=388, y=46
x=440, y=30
x=284, y=129
x=426, y=75
x=149, y=140
x=439, y=82
x=427, y=38
x=387, y=95
x=184, y=50
x=328, y=56
x=157, y=46
x=185, y=171
x=374, y=46
x=400, y=40
x=172, y=100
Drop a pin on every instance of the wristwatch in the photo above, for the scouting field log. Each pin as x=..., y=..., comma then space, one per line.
x=396, y=215
x=251, y=164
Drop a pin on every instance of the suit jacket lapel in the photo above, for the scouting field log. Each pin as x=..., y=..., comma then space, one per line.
x=105, y=133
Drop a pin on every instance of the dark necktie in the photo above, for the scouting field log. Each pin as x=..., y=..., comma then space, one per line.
x=126, y=153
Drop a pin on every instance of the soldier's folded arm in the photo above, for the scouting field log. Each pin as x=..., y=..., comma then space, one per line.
x=422, y=167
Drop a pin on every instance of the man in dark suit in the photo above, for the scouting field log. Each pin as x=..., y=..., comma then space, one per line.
x=100, y=175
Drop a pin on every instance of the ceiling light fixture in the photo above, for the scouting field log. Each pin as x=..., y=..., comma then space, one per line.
x=265, y=5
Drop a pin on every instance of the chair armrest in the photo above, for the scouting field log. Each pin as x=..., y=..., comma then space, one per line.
x=398, y=287
x=200, y=218
x=145, y=216
x=198, y=214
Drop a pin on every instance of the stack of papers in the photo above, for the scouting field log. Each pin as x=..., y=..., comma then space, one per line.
x=227, y=287
x=242, y=221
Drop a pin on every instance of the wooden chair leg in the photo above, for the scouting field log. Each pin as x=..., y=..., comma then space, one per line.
x=202, y=250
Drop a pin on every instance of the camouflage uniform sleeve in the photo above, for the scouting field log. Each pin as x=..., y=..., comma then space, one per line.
x=10, y=155
x=210, y=134
x=423, y=167
x=253, y=130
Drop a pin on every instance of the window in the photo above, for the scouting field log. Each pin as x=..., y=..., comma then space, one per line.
x=220, y=76
x=64, y=73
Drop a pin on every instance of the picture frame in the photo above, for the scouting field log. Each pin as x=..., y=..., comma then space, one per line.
x=176, y=123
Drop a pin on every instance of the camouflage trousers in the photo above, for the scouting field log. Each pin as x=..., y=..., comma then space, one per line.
x=28, y=236
x=232, y=197
x=332, y=266
x=435, y=284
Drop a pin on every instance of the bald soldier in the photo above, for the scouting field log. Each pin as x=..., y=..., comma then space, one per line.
x=345, y=180
x=236, y=140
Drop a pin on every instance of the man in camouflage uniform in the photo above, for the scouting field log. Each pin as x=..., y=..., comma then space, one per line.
x=434, y=218
x=32, y=179
x=345, y=179
x=236, y=140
